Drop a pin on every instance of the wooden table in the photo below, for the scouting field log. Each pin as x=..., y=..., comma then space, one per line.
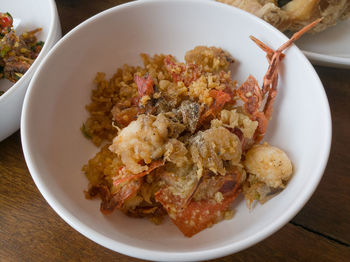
x=31, y=231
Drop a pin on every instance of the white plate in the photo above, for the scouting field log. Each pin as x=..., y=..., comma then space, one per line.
x=330, y=47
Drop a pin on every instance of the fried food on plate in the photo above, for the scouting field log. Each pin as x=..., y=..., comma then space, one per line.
x=292, y=15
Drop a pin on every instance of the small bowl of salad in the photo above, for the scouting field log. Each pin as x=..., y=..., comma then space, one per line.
x=26, y=36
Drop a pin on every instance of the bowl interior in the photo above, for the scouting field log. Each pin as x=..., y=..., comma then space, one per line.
x=55, y=149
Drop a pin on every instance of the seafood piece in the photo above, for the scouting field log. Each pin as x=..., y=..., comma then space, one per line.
x=123, y=191
x=172, y=92
x=265, y=9
x=176, y=152
x=301, y=9
x=143, y=203
x=180, y=185
x=269, y=164
x=161, y=106
x=189, y=114
x=124, y=176
x=269, y=170
x=233, y=119
x=143, y=140
x=253, y=96
x=144, y=85
x=180, y=72
x=220, y=99
x=117, y=200
x=199, y=215
x=239, y=124
x=211, y=147
x=125, y=116
x=212, y=186
x=303, y=12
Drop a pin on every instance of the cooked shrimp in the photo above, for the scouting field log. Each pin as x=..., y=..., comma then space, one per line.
x=269, y=164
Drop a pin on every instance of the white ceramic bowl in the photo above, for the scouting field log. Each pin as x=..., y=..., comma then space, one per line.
x=53, y=113
x=26, y=18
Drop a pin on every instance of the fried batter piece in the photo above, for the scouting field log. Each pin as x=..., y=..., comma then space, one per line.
x=269, y=170
x=292, y=15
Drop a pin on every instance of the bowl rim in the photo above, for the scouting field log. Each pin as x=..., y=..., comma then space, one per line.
x=43, y=52
x=147, y=254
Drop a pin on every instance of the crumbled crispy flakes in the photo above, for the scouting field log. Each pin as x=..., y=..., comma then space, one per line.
x=234, y=119
x=210, y=148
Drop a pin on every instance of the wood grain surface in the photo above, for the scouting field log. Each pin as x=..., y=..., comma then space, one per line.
x=31, y=231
